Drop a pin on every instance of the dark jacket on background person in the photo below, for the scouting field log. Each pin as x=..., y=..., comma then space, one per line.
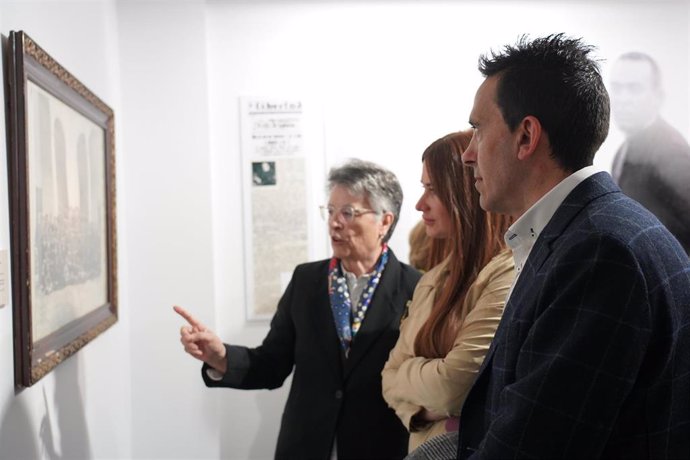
x=655, y=171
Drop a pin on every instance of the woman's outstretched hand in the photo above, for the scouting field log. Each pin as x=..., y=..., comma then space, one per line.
x=201, y=343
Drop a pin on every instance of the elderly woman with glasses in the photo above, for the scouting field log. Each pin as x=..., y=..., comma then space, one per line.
x=334, y=327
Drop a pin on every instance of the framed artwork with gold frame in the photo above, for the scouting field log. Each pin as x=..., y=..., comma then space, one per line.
x=61, y=158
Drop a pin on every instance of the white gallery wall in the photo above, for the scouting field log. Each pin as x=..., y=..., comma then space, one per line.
x=380, y=80
x=388, y=78
x=82, y=408
x=169, y=224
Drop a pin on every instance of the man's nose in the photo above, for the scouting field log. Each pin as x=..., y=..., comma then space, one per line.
x=469, y=156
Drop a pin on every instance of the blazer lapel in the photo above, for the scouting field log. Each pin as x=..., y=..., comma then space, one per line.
x=591, y=188
x=379, y=315
x=324, y=325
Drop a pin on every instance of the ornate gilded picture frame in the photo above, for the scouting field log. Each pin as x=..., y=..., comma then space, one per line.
x=61, y=162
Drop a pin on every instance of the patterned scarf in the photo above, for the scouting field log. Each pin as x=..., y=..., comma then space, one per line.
x=346, y=323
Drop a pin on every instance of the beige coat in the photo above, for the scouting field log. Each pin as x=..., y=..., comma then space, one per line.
x=411, y=382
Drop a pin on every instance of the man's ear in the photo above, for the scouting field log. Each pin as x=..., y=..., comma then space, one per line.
x=529, y=134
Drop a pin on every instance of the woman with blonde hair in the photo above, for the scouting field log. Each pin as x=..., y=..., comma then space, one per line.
x=420, y=243
x=456, y=306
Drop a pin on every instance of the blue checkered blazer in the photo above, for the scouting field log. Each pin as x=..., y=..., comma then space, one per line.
x=592, y=356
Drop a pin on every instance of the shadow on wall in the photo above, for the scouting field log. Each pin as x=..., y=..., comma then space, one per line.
x=71, y=418
x=16, y=433
x=63, y=432
x=270, y=407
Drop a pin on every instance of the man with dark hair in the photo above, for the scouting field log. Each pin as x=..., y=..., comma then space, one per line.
x=591, y=356
x=652, y=166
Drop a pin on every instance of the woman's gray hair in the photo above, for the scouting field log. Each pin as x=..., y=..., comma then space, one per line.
x=369, y=180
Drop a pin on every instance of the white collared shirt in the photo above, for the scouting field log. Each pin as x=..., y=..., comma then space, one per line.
x=524, y=232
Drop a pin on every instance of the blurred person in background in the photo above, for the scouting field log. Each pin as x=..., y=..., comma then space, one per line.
x=652, y=165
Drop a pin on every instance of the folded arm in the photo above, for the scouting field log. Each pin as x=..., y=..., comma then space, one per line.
x=440, y=385
x=415, y=385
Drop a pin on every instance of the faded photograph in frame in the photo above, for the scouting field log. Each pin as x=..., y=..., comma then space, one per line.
x=62, y=208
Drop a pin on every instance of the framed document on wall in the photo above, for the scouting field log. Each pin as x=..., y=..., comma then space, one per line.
x=61, y=161
x=275, y=186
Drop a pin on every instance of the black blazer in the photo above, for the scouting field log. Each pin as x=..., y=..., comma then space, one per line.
x=330, y=396
x=592, y=356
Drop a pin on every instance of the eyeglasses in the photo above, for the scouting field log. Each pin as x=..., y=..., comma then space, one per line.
x=347, y=213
